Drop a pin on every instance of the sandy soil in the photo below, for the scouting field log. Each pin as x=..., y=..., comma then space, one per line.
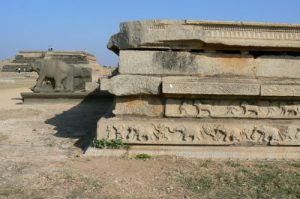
x=41, y=156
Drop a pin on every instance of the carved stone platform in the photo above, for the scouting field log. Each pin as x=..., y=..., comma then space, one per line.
x=206, y=89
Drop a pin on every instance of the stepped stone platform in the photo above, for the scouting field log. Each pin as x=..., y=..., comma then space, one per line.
x=24, y=59
x=186, y=85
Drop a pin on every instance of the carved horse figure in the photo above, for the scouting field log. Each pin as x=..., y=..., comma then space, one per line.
x=249, y=109
x=202, y=107
x=289, y=109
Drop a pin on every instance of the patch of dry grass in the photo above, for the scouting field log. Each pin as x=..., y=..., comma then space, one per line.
x=232, y=179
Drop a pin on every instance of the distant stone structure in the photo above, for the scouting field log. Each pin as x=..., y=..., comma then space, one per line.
x=206, y=83
x=24, y=59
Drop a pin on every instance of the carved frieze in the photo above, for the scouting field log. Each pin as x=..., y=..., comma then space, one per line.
x=232, y=109
x=197, y=132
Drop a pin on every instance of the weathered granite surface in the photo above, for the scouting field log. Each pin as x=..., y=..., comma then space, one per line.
x=92, y=86
x=207, y=64
x=122, y=85
x=209, y=86
x=283, y=90
x=184, y=85
x=139, y=105
x=137, y=130
x=199, y=35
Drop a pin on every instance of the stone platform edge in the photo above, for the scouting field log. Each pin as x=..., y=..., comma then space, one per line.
x=203, y=152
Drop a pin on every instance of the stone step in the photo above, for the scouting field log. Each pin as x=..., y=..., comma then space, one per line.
x=203, y=152
x=230, y=86
x=126, y=85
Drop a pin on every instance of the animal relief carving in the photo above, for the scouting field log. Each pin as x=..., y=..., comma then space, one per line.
x=234, y=109
x=172, y=133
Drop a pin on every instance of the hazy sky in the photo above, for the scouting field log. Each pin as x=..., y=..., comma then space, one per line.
x=88, y=24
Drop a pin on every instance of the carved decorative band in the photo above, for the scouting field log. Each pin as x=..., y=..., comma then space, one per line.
x=199, y=133
x=235, y=34
x=232, y=109
x=253, y=29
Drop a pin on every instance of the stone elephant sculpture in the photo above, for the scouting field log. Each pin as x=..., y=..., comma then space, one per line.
x=60, y=73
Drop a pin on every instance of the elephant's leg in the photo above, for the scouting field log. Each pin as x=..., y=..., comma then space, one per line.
x=38, y=84
x=40, y=81
x=68, y=83
x=58, y=83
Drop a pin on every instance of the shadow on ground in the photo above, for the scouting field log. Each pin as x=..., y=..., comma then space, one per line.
x=80, y=122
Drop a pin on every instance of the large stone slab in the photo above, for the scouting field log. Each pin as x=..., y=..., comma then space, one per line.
x=209, y=86
x=92, y=86
x=139, y=105
x=139, y=130
x=280, y=90
x=207, y=64
x=184, y=63
x=122, y=85
x=205, y=108
x=198, y=35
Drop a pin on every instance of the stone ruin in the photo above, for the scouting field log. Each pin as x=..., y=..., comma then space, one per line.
x=24, y=59
x=206, y=83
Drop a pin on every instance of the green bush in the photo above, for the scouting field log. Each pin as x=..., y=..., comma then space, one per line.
x=107, y=144
x=142, y=156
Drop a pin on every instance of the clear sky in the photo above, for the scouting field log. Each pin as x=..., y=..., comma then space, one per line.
x=88, y=24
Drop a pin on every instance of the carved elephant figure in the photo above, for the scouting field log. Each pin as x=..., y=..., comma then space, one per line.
x=266, y=134
x=50, y=69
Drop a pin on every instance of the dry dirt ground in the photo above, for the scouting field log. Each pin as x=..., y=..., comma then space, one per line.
x=41, y=156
